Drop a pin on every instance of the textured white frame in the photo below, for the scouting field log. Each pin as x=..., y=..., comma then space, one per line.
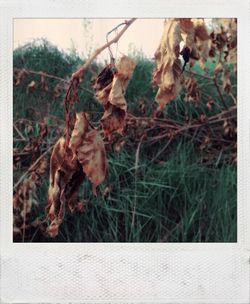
x=132, y=272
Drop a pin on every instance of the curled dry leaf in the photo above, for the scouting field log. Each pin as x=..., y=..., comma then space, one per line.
x=25, y=197
x=20, y=75
x=113, y=120
x=110, y=87
x=80, y=129
x=224, y=38
x=188, y=36
x=88, y=146
x=196, y=38
x=116, y=96
x=168, y=65
x=125, y=68
x=102, y=84
x=85, y=155
x=31, y=86
x=194, y=35
x=200, y=30
x=66, y=176
x=202, y=40
x=53, y=228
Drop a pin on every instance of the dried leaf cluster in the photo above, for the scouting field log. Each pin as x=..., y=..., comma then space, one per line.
x=80, y=153
x=198, y=45
x=168, y=64
x=25, y=198
x=110, y=87
x=85, y=156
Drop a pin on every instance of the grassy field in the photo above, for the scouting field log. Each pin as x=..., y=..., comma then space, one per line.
x=148, y=196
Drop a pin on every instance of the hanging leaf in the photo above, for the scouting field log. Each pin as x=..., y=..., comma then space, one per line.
x=110, y=87
x=200, y=30
x=113, y=120
x=187, y=34
x=116, y=95
x=202, y=41
x=168, y=65
x=102, y=84
x=80, y=129
x=66, y=176
x=25, y=197
x=88, y=146
x=62, y=168
x=125, y=68
x=85, y=155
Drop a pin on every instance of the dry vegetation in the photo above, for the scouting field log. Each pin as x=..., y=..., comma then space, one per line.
x=159, y=171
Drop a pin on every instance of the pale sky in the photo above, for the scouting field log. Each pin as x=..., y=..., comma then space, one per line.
x=143, y=34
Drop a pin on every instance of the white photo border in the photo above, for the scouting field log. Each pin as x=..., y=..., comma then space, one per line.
x=124, y=272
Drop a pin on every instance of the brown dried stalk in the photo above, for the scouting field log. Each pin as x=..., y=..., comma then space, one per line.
x=78, y=74
x=46, y=75
x=214, y=80
x=71, y=94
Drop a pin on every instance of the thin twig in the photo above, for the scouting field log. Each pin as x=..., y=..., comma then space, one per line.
x=136, y=172
x=219, y=92
x=200, y=75
x=31, y=168
x=79, y=73
x=234, y=99
x=214, y=80
x=162, y=150
x=110, y=51
x=54, y=77
x=44, y=74
x=20, y=140
x=19, y=133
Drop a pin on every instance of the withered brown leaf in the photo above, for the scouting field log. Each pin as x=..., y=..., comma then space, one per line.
x=113, y=120
x=110, y=87
x=25, y=197
x=88, y=146
x=66, y=176
x=20, y=75
x=168, y=65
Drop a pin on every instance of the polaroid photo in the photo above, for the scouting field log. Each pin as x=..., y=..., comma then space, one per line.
x=125, y=143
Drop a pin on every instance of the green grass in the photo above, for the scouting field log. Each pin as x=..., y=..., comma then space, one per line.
x=175, y=198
